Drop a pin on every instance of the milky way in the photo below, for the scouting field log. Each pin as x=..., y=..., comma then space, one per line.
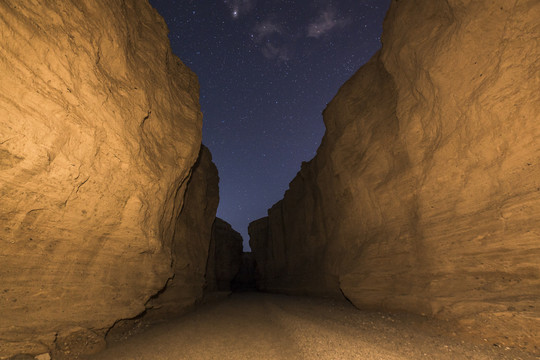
x=267, y=69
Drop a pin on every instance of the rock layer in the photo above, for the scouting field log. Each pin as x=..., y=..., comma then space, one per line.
x=100, y=129
x=424, y=195
x=224, y=256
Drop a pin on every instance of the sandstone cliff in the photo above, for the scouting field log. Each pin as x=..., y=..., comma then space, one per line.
x=424, y=195
x=99, y=131
x=224, y=256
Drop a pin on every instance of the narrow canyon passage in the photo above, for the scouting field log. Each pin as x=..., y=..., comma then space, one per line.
x=270, y=326
x=423, y=197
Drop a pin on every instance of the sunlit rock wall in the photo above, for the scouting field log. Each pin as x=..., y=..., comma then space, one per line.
x=99, y=129
x=224, y=256
x=425, y=193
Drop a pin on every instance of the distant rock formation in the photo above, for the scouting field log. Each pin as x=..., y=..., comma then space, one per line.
x=245, y=280
x=424, y=195
x=287, y=259
x=99, y=134
x=224, y=256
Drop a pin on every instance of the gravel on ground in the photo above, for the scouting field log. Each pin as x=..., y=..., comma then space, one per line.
x=270, y=326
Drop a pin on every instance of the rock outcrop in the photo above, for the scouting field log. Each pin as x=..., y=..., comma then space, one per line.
x=99, y=132
x=224, y=256
x=424, y=195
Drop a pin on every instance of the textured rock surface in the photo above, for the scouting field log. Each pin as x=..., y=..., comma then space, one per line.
x=191, y=241
x=425, y=193
x=224, y=256
x=100, y=128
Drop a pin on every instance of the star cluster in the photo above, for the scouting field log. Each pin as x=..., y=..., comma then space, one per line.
x=267, y=69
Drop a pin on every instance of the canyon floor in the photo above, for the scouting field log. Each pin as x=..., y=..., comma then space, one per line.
x=268, y=326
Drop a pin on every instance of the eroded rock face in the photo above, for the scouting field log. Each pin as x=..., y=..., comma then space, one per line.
x=191, y=241
x=425, y=193
x=224, y=256
x=100, y=127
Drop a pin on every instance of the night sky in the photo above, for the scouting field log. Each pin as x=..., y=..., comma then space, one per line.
x=267, y=69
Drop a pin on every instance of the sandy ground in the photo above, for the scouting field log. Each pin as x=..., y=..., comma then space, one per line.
x=267, y=326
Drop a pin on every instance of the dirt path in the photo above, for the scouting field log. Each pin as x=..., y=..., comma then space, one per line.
x=264, y=326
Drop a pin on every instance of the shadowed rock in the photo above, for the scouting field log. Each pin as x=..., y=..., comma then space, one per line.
x=245, y=280
x=224, y=256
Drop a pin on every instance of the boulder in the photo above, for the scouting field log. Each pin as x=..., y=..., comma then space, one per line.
x=424, y=195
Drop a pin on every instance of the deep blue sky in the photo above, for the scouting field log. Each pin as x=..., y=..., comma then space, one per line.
x=267, y=69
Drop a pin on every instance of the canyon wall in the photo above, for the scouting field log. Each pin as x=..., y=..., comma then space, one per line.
x=224, y=256
x=191, y=243
x=99, y=133
x=424, y=195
